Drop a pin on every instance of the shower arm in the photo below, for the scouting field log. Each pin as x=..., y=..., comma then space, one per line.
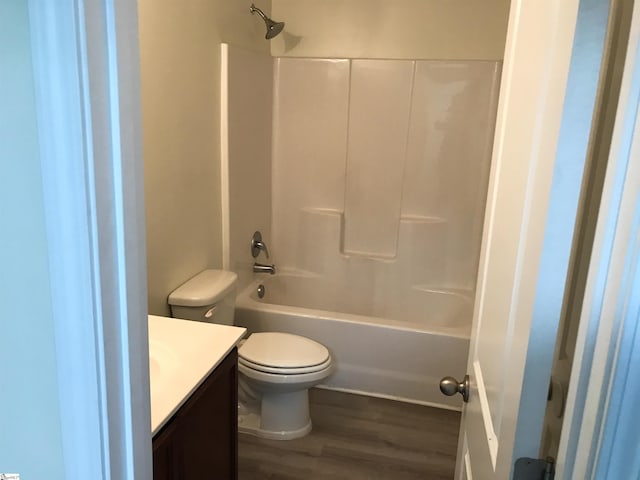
x=254, y=9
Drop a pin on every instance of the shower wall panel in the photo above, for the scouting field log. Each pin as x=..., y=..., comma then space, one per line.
x=448, y=154
x=311, y=100
x=380, y=171
x=376, y=152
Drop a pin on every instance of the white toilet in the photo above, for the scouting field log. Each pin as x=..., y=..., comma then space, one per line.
x=276, y=370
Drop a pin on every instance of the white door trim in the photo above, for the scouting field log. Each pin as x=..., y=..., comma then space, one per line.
x=608, y=291
x=85, y=57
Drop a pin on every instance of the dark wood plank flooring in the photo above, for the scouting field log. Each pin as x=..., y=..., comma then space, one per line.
x=357, y=437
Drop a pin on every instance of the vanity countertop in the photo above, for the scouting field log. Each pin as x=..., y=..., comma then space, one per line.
x=182, y=353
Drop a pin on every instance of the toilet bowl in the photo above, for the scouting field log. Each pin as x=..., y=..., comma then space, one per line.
x=276, y=372
x=275, y=369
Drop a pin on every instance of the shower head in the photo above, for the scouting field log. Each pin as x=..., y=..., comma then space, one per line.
x=273, y=28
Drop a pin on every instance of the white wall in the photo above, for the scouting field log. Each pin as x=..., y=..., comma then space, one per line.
x=429, y=29
x=30, y=431
x=180, y=74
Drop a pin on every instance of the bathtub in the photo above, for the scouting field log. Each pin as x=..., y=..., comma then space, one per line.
x=396, y=357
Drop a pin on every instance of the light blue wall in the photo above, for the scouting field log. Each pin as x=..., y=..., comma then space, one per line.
x=30, y=433
x=618, y=454
x=571, y=154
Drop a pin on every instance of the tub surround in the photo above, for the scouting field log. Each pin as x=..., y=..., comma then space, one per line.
x=377, y=188
x=382, y=166
x=182, y=354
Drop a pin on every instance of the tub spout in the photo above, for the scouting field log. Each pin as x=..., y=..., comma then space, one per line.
x=261, y=268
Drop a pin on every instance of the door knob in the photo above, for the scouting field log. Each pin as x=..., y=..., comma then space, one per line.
x=450, y=386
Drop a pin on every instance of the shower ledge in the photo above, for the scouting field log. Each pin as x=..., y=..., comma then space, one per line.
x=412, y=218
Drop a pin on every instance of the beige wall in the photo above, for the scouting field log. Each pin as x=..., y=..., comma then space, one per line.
x=180, y=69
x=429, y=29
x=248, y=157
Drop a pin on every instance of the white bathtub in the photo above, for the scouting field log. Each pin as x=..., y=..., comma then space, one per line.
x=385, y=357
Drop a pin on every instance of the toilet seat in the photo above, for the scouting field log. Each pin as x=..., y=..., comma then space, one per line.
x=284, y=382
x=284, y=371
x=284, y=353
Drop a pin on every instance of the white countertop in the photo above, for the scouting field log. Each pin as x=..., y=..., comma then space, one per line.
x=182, y=353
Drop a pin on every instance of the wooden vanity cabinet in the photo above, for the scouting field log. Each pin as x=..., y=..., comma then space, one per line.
x=201, y=440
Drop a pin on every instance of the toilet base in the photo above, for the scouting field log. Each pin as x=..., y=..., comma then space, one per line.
x=250, y=424
x=277, y=416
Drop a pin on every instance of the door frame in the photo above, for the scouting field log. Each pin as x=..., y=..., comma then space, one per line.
x=594, y=430
x=86, y=75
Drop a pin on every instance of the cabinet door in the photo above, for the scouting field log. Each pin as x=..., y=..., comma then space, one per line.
x=164, y=461
x=208, y=426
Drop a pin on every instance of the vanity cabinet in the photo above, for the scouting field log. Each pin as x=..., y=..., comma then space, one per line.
x=200, y=441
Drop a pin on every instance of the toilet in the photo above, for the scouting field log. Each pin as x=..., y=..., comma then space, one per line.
x=275, y=369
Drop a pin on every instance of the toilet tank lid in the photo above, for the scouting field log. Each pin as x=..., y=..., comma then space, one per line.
x=206, y=288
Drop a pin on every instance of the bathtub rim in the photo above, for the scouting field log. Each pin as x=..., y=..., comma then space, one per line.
x=244, y=300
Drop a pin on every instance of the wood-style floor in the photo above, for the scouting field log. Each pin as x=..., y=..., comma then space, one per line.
x=356, y=437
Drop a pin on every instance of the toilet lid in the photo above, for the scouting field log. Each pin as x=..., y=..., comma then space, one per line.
x=284, y=371
x=282, y=350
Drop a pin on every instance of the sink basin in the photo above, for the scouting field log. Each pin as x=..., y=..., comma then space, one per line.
x=163, y=363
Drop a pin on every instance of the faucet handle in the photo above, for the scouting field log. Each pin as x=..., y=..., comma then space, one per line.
x=257, y=244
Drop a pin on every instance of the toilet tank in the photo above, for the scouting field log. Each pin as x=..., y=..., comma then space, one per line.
x=210, y=297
